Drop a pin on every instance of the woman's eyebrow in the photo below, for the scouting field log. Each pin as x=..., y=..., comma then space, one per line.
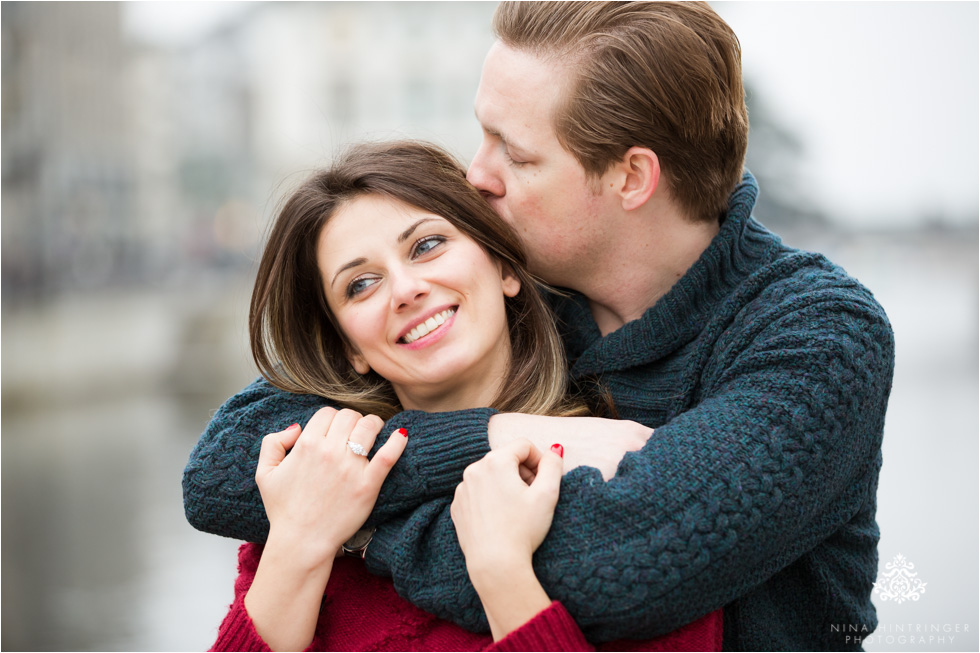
x=405, y=235
x=348, y=266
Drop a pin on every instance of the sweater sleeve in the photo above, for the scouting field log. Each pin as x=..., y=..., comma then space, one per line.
x=220, y=494
x=237, y=632
x=777, y=452
x=553, y=629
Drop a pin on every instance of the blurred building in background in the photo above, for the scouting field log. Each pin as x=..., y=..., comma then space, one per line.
x=126, y=162
x=68, y=178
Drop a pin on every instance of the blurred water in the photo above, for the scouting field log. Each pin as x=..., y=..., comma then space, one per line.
x=105, y=394
x=96, y=552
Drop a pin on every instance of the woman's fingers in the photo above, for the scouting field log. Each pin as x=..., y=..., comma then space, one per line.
x=547, y=479
x=365, y=431
x=340, y=427
x=523, y=453
x=527, y=475
x=275, y=446
x=331, y=430
x=386, y=457
x=319, y=423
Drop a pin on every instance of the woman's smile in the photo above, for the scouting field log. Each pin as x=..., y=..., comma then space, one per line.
x=429, y=331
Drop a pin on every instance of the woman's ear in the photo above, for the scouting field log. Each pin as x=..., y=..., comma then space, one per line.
x=358, y=362
x=509, y=282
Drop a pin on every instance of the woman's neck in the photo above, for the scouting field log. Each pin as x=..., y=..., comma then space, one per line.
x=460, y=399
x=475, y=388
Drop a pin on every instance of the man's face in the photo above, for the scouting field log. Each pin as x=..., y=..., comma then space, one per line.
x=524, y=172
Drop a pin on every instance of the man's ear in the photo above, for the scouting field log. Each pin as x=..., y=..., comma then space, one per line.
x=509, y=282
x=639, y=176
x=358, y=362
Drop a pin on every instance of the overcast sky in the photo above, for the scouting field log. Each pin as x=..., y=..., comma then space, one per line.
x=884, y=95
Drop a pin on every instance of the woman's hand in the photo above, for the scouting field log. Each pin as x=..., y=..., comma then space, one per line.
x=501, y=521
x=316, y=498
x=322, y=492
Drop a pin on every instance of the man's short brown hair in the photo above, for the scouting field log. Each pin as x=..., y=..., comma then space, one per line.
x=661, y=75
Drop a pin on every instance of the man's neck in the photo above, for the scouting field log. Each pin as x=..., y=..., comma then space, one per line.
x=642, y=266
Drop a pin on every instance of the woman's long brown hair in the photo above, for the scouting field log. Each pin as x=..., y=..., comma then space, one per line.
x=295, y=339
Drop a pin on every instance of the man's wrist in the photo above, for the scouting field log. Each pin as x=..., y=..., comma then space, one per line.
x=503, y=428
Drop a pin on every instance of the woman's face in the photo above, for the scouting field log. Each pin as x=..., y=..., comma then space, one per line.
x=421, y=303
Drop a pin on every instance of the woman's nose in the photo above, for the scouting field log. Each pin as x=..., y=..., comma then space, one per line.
x=407, y=287
x=482, y=174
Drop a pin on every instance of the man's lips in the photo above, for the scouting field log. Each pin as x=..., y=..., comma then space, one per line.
x=424, y=327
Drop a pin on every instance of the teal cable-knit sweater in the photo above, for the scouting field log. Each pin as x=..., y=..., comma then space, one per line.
x=765, y=372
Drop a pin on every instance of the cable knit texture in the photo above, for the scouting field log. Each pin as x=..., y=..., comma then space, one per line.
x=765, y=372
x=361, y=612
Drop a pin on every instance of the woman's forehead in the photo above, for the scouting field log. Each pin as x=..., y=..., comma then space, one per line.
x=382, y=211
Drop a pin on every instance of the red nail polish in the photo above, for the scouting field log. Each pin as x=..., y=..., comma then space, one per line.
x=293, y=427
x=403, y=432
x=558, y=449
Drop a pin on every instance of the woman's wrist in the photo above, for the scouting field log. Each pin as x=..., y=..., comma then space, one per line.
x=283, y=601
x=302, y=550
x=509, y=591
x=491, y=567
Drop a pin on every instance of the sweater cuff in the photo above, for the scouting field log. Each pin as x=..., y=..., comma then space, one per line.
x=237, y=632
x=442, y=445
x=552, y=629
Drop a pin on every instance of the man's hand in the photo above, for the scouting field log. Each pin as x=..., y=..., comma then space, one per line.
x=588, y=441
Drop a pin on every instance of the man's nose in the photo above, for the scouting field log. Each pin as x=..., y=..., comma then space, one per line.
x=407, y=287
x=483, y=175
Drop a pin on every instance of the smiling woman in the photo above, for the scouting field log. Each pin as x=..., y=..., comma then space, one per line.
x=388, y=283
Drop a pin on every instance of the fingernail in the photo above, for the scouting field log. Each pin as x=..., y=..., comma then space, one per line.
x=403, y=432
x=558, y=449
x=294, y=426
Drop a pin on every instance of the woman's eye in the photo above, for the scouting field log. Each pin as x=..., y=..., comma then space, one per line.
x=357, y=286
x=426, y=245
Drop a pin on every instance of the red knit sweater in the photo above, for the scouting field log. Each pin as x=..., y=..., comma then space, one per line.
x=362, y=612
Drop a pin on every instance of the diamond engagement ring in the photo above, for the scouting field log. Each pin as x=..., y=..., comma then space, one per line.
x=356, y=448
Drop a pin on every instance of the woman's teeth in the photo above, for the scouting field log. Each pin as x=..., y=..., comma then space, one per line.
x=429, y=325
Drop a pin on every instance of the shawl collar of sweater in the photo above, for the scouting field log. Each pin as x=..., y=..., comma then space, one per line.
x=741, y=248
